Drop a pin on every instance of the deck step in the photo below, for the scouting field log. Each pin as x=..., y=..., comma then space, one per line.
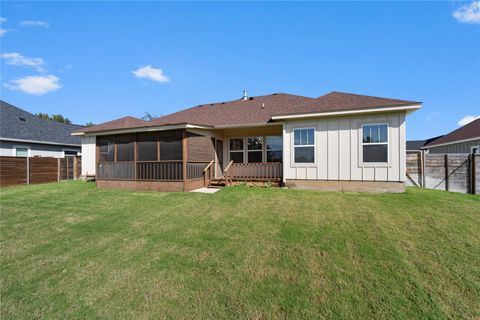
x=216, y=183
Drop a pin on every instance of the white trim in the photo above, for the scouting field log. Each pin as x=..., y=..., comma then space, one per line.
x=348, y=112
x=475, y=147
x=452, y=142
x=247, y=125
x=41, y=142
x=374, y=164
x=14, y=150
x=292, y=152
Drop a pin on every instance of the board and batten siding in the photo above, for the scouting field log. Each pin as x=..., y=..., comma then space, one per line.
x=338, y=149
x=88, y=155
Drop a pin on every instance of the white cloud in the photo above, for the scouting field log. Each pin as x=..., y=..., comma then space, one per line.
x=3, y=31
x=3, y=20
x=36, y=85
x=469, y=13
x=151, y=73
x=467, y=119
x=30, y=23
x=16, y=59
x=432, y=115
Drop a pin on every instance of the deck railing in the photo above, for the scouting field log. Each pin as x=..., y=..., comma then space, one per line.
x=116, y=170
x=195, y=170
x=257, y=171
x=169, y=170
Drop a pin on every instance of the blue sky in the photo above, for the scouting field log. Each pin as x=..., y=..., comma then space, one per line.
x=100, y=61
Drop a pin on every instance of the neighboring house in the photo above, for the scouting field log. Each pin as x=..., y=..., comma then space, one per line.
x=338, y=141
x=465, y=139
x=23, y=134
x=416, y=145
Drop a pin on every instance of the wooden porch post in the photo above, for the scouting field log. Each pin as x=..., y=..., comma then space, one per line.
x=184, y=157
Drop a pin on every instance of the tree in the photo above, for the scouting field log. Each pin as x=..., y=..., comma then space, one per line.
x=89, y=124
x=54, y=117
x=149, y=116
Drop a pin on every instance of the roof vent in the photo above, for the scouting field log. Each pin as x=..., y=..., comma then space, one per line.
x=251, y=98
x=245, y=95
x=21, y=119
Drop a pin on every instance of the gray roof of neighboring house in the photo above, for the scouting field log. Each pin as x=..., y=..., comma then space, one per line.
x=418, y=144
x=18, y=124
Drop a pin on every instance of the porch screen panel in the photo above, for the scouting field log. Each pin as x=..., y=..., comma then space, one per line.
x=171, y=145
x=125, y=148
x=106, y=148
x=147, y=148
x=255, y=149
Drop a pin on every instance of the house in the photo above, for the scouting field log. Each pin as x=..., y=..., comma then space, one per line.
x=416, y=145
x=465, y=139
x=338, y=141
x=23, y=134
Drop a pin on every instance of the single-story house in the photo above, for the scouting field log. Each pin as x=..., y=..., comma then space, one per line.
x=465, y=139
x=338, y=141
x=416, y=145
x=23, y=134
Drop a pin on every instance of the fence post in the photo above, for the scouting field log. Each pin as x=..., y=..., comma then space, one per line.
x=28, y=171
x=446, y=171
x=473, y=175
x=58, y=169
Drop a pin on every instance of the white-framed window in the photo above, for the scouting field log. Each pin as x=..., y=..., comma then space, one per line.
x=475, y=149
x=70, y=153
x=274, y=148
x=303, y=145
x=236, y=150
x=375, y=143
x=254, y=149
x=21, y=151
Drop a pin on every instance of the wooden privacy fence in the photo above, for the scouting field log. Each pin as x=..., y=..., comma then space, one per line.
x=451, y=172
x=20, y=170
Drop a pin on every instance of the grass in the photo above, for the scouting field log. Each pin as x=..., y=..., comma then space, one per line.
x=69, y=250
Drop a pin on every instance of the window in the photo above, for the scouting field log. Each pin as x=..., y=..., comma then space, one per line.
x=147, y=148
x=106, y=150
x=21, y=152
x=236, y=150
x=274, y=146
x=304, y=145
x=171, y=146
x=70, y=153
x=375, y=143
x=254, y=149
x=125, y=148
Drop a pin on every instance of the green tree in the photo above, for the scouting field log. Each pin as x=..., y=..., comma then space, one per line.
x=149, y=116
x=54, y=117
x=89, y=124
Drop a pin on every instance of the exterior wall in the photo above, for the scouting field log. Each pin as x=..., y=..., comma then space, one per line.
x=88, y=155
x=7, y=149
x=338, y=149
x=200, y=148
x=464, y=147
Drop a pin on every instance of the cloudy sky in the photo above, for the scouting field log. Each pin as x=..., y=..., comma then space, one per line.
x=100, y=61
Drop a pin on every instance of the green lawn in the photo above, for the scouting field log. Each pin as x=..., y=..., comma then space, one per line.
x=69, y=250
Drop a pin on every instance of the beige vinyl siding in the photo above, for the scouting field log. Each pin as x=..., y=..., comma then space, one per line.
x=338, y=149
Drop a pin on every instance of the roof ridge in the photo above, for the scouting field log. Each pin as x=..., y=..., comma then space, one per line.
x=366, y=95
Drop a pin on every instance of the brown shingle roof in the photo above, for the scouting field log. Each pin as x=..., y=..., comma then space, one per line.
x=256, y=110
x=253, y=110
x=340, y=101
x=122, y=123
x=468, y=131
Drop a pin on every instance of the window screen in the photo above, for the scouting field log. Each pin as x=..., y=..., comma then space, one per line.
x=274, y=146
x=147, y=148
x=125, y=149
x=236, y=150
x=21, y=152
x=255, y=149
x=171, y=145
x=106, y=150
